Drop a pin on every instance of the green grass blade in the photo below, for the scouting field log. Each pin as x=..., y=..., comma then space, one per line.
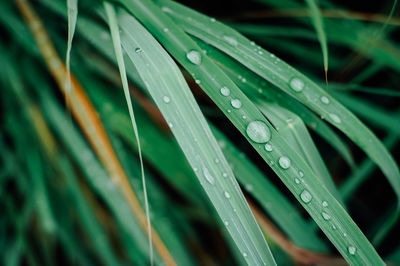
x=256, y=88
x=292, y=128
x=289, y=80
x=174, y=99
x=113, y=24
x=270, y=198
x=72, y=17
x=318, y=24
x=312, y=194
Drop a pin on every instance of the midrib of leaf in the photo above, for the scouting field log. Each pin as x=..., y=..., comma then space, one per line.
x=163, y=79
x=113, y=24
x=345, y=234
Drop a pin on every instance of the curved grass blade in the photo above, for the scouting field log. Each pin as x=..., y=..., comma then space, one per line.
x=318, y=24
x=292, y=128
x=270, y=198
x=287, y=79
x=312, y=194
x=72, y=17
x=113, y=24
x=170, y=92
x=256, y=88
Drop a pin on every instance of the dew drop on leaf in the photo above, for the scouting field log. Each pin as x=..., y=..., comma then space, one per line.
x=296, y=84
x=352, y=250
x=194, y=57
x=258, y=132
x=335, y=118
x=166, y=99
x=268, y=147
x=305, y=196
x=236, y=103
x=325, y=100
x=284, y=162
x=227, y=195
x=325, y=203
x=232, y=41
x=208, y=176
x=225, y=91
x=326, y=216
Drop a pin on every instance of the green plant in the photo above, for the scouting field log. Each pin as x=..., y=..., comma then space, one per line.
x=88, y=154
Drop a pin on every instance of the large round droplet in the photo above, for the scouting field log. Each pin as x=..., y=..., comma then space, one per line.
x=305, y=196
x=352, y=250
x=258, y=132
x=284, y=162
x=236, y=103
x=208, y=176
x=296, y=84
x=194, y=57
x=225, y=91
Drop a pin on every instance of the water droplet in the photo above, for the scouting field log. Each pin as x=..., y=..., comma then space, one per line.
x=216, y=160
x=227, y=195
x=244, y=80
x=166, y=99
x=236, y=103
x=297, y=181
x=225, y=91
x=197, y=81
x=252, y=43
x=166, y=29
x=170, y=125
x=325, y=100
x=268, y=147
x=325, y=203
x=326, y=216
x=232, y=41
x=138, y=50
x=244, y=254
x=284, y=162
x=208, y=176
x=194, y=57
x=212, y=20
x=260, y=52
x=258, y=132
x=305, y=196
x=226, y=223
x=334, y=227
x=244, y=117
x=296, y=84
x=352, y=250
x=335, y=118
x=224, y=174
x=301, y=174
